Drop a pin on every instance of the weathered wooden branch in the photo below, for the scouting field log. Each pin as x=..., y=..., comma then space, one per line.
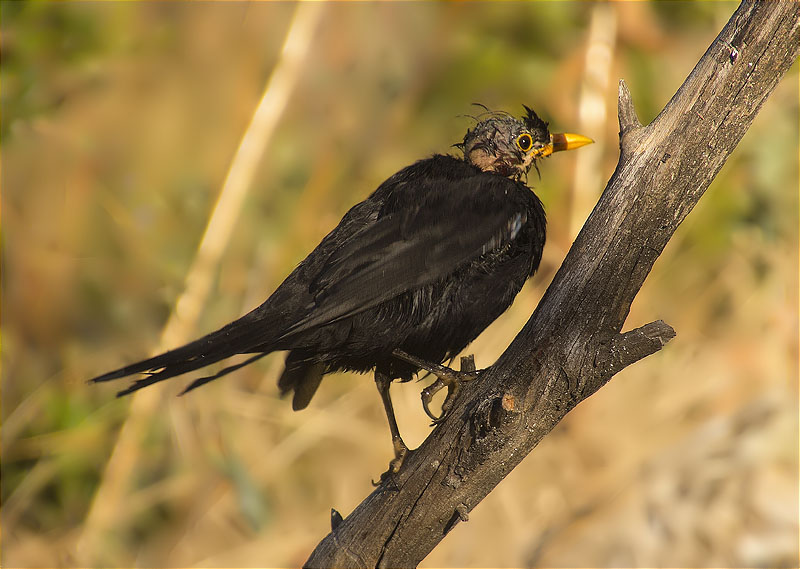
x=572, y=344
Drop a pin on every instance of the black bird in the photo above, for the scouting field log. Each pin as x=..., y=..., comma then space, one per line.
x=408, y=278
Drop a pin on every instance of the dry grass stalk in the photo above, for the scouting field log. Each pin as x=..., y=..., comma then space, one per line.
x=116, y=479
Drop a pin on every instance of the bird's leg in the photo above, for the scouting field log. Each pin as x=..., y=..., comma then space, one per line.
x=445, y=377
x=400, y=449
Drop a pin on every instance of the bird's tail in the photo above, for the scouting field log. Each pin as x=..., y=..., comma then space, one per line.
x=242, y=336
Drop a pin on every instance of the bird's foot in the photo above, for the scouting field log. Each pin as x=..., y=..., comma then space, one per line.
x=445, y=377
x=453, y=381
x=400, y=453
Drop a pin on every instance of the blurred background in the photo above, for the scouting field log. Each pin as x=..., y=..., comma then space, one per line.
x=119, y=124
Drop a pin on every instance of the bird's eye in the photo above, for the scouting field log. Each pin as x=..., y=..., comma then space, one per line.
x=524, y=141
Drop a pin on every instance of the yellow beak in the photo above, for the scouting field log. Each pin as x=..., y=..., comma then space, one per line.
x=563, y=141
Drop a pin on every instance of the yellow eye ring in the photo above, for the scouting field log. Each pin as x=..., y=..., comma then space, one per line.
x=524, y=142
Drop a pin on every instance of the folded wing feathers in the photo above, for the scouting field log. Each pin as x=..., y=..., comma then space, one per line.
x=358, y=278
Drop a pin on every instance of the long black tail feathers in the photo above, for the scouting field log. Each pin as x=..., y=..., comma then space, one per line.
x=171, y=370
x=203, y=380
x=247, y=335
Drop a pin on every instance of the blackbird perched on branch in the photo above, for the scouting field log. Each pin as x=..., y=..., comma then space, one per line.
x=407, y=280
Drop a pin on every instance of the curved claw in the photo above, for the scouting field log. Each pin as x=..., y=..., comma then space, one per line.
x=453, y=382
x=445, y=377
x=452, y=392
x=427, y=395
x=439, y=420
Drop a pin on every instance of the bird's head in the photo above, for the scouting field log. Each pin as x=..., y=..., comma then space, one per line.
x=509, y=146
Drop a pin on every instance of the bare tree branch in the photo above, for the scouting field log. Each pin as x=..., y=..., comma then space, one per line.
x=572, y=344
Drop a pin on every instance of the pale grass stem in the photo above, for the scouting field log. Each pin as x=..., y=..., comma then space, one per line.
x=108, y=501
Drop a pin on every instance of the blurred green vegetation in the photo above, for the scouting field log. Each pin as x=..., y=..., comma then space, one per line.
x=119, y=121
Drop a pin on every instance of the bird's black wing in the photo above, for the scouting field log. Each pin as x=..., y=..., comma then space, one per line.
x=426, y=234
x=440, y=226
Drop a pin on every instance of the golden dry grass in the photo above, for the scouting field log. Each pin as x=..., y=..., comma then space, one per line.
x=119, y=124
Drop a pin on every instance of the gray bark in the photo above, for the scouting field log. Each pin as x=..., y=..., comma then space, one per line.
x=572, y=345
